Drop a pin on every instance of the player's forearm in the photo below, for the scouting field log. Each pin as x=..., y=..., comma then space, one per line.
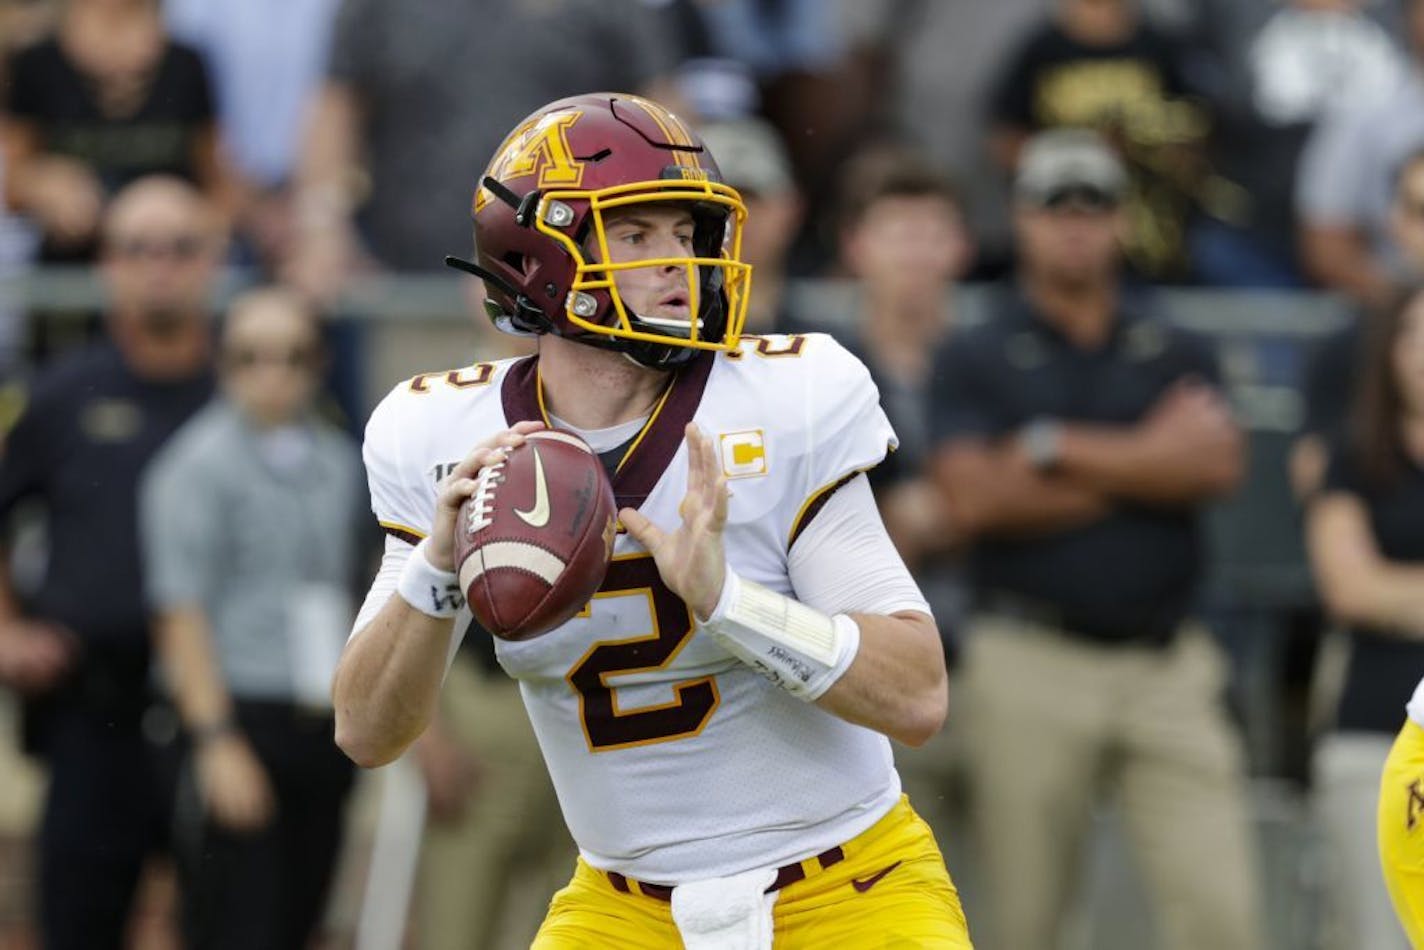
x=897, y=683
x=388, y=681
x=185, y=642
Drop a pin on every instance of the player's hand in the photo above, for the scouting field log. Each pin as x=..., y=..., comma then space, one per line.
x=460, y=484
x=233, y=783
x=34, y=654
x=691, y=559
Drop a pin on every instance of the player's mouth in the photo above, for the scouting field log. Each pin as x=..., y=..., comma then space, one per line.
x=675, y=304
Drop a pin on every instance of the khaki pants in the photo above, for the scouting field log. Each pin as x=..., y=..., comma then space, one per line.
x=486, y=880
x=1051, y=724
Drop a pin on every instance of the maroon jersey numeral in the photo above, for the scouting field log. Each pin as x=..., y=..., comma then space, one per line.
x=604, y=724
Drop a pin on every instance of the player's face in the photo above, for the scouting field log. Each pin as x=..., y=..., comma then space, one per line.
x=660, y=292
x=1409, y=357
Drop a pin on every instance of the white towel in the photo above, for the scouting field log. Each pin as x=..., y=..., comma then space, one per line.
x=726, y=913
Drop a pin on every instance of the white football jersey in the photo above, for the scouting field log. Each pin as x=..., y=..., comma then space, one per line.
x=674, y=761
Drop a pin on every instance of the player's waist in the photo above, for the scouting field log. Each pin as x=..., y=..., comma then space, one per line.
x=795, y=871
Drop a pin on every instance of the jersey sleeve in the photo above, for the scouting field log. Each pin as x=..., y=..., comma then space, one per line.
x=846, y=432
x=399, y=499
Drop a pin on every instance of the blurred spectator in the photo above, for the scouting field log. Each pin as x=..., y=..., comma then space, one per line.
x=1283, y=70
x=903, y=240
x=786, y=59
x=932, y=64
x=1346, y=177
x=416, y=99
x=107, y=99
x=1365, y=532
x=752, y=158
x=1333, y=370
x=78, y=646
x=23, y=22
x=1078, y=440
x=1097, y=63
x=250, y=630
x=267, y=58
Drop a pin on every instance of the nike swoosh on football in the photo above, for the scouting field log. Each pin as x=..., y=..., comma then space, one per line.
x=864, y=884
x=538, y=516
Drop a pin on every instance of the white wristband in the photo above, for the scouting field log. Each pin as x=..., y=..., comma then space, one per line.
x=797, y=647
x=428, y=589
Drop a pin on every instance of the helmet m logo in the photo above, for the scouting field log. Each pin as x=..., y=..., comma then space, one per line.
x=539, y=148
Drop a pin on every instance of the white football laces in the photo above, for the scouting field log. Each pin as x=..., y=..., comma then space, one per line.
x=482, y=501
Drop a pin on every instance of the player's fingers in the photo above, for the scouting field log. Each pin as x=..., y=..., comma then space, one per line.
x=694, y=459
x=527, y=426
x=476, y=460
x=719, y=502
x=643, y=531
x=454, y=492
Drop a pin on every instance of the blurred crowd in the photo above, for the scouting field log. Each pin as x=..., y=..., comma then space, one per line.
x=185, y=518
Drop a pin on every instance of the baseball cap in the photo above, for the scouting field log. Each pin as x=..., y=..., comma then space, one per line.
x=1065, y=163
x=750, y=154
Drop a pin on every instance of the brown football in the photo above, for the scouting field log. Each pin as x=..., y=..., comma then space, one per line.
x=533, y=542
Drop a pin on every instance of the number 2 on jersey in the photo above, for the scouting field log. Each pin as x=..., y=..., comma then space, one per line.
x=605, y=725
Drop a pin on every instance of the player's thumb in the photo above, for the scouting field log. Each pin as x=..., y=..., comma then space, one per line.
x=643, y=531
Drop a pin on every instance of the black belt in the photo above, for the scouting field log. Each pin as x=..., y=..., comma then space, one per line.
x=1046, y=614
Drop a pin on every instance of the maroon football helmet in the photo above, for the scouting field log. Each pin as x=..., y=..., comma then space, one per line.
x=542, y=249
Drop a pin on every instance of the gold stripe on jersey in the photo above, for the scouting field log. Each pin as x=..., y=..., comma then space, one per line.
x=404, y=532
x=637, y=439
x=814, y=501
x=647, y=427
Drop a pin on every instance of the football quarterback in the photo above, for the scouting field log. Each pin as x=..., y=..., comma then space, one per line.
x=715, y=720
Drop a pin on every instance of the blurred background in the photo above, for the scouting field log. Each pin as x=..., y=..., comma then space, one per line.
x=164, y=158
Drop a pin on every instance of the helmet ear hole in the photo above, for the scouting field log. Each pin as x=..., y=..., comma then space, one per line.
x=514, y=261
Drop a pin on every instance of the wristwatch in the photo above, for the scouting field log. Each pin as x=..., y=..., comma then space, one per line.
x=1042, y=442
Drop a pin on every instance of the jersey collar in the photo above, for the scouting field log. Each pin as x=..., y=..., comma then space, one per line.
x=651, y=450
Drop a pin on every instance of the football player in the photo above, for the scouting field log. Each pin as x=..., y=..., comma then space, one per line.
x=1401, y=821
x=716, y=721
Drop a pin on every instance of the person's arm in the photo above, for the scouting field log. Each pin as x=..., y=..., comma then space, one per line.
x=1356, y=582
x=231, y=778
x=990, y=487
x=1187, y=450
x=328, y=189
x=1338, y=257
x=1336, y=174
x=388, y=680
x=33, y=653
x=884, y=670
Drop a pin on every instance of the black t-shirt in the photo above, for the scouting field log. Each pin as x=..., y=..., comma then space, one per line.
x=1384, y=668
x=88, y=430
x=1332, y=373
x=1135, y=93
x=49, y=91
x=1133, y=574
